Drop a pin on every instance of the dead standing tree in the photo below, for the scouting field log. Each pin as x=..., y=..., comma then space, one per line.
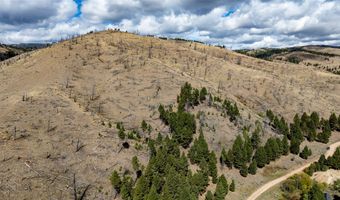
x=75, y=190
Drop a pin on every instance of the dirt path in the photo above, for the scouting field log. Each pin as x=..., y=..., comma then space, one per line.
x=270, y=184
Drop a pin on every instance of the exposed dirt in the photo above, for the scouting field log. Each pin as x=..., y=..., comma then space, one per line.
x=74, y=89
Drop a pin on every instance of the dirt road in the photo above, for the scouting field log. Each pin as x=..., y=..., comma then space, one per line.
x=270, y=184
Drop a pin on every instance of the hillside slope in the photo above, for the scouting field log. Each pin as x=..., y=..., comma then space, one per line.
x=56, y=99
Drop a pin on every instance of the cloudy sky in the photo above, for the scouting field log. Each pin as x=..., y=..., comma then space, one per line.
x=233, y=23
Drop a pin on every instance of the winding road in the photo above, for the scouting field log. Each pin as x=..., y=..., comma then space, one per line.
x=270, y=184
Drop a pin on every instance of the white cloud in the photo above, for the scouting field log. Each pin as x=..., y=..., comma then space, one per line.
x=255, y=23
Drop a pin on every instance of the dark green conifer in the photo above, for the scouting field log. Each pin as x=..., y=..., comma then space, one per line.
x=232, y=186
x=261, y=157
x=252, y=167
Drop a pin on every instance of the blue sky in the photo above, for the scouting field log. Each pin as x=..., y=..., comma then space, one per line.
x=235, y=24
x=79, y=4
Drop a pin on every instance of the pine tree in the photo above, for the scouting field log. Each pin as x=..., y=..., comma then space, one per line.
x=295, y=131
x=135, y=163
x=248, y=147
x=126, y=188
x=116, y=181
x=221, y=189
x=325, y=134
x=333, y=122
x=255, y=138
x=315, y=118
x=209, y=196
x=141, y=189
x=199, y=181
x=270, y=115
x=244, y=170
x=294, y=146
x=305, y=153
x=144, y=126
x=172, y=181
x=285, y=146
x=261, y=157
x=238, y=152
x=223, y=156
x=203, y=94
x=229, y=159
x=232, y=186
x=212, y=166
x=195, y=97
x=199, y=150
x=153, y=195
x=252, y=168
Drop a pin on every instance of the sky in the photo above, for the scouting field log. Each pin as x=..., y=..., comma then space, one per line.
x=236, y=24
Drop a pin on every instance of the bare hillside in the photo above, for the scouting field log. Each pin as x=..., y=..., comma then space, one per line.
x=60, y=105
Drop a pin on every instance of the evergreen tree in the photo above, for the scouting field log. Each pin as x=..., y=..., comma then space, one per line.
x=209, y=196
x=315, y=118
x=238, y=152
x=212, y=166
x=305, y=153
x=144, y=126
x=294, y=146
x=195, y=97
x=184, y=190
x=244, y=170
x=199, y=181
x=126, y=188
x=135, y=163
x=223, y=156
x=285, y=146
x=295, y=131
x=255, y=138
x=325, y=134
x=252, y=168
x=171, y=186
x=141, y=189
x=248, y=147
x=203, y=94
x=199, y=150
x=232, y=186
x=221, y=189
x=153, y=195
x=270, y=115
x=333, y=122
x=162, y=114
x=116, y=181
x=229, y=159
x=261, y=157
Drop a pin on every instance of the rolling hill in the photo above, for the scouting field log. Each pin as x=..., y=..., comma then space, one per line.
x=59, y=107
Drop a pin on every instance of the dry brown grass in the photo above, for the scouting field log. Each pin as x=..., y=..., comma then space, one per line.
x=74, y=86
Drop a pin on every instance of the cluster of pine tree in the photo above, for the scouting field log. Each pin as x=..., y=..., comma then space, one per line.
x=323, y=164
x=167, y=175
x=305, y=153
x=190, y=97
x=199, y=154
x=279, y=124
x=307, y=126
x=247, y=155
x=182, y=125
x=231, y=110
